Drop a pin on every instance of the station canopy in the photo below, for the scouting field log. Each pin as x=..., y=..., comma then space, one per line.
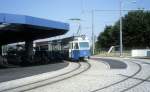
x=17, y=28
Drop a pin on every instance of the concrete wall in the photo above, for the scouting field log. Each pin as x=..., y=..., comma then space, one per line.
x=140, y=53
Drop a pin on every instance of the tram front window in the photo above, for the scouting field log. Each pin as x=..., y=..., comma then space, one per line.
x=84, y=45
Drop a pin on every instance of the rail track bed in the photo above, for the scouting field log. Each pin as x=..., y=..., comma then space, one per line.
x=95, y=75
x=131, y=82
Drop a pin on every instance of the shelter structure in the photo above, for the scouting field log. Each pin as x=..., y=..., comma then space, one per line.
x=18, y=28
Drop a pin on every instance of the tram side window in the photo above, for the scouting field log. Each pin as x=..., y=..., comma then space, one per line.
x=76, y=46
x=44, y=47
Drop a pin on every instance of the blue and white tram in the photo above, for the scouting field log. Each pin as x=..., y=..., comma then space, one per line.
x=74, y=48
x=79, y=48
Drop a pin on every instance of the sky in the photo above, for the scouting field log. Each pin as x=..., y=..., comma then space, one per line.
x=64, y=10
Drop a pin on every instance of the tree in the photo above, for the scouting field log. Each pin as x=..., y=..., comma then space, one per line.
x=136, y=31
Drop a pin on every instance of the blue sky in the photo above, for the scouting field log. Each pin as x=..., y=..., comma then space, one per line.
x=63, y=10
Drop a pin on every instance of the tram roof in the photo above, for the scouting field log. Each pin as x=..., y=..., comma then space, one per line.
x=67, y=39
x=15, y=28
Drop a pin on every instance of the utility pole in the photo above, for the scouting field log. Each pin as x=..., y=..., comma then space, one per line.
x=121, y=41
x=93, y=43
x=121, y=45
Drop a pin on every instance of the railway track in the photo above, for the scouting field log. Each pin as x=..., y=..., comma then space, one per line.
x=125, y=79
x=139, y=79
x=135, y=77
x=82, y=67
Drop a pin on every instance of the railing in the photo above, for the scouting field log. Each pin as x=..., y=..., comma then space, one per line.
x=126, y=53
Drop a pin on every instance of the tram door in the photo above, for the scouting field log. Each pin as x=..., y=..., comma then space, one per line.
x=70, y=49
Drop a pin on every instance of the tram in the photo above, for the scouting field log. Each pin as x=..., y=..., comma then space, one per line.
x=74, y=48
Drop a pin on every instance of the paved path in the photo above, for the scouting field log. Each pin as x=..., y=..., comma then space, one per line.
x=16, y=73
